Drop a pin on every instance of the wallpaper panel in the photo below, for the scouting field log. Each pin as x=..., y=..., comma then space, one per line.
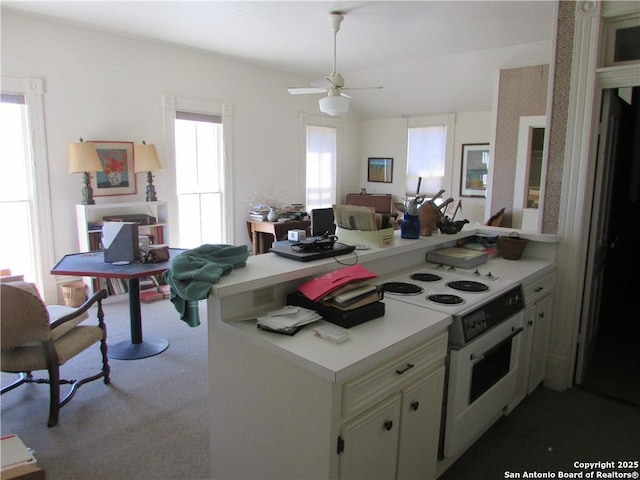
x=521, y=92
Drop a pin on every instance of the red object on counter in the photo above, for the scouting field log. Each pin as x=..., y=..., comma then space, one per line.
x=321, y=286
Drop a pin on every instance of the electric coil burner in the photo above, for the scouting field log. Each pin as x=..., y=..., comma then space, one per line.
x=426, y=277
x=402, y=288
x=445, y=299
x=467, y=286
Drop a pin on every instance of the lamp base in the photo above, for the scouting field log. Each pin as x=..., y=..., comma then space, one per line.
x=87, y=191
x=151, y=189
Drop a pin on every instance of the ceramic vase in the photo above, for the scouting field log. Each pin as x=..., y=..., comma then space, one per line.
x=272, y=216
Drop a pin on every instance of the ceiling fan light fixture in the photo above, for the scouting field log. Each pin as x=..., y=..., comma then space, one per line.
x=334, y=105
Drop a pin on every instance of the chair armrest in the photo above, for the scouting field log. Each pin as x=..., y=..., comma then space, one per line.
x=96, y=297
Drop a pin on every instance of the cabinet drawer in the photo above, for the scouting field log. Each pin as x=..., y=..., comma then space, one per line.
x=539, y=288
x=388, y=377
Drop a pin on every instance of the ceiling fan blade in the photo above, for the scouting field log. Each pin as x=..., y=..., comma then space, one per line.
x=342, y=94
x=324, y=83
x=362, y=88
x=305, y=90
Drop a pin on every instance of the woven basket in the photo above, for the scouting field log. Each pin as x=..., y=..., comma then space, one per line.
x=512, y=247
x=74, y=294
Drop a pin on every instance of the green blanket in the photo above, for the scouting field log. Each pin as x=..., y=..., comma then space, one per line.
x=193, y=272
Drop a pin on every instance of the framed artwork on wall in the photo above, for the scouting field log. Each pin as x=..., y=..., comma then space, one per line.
x=475, y=170
x=380, y=170
x=118, y=175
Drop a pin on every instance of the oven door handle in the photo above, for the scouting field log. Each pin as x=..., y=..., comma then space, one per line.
x=475, y=358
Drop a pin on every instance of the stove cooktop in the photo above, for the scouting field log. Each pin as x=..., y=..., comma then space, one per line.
x=447, y=289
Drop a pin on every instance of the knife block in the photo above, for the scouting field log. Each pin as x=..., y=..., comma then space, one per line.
x=429, y=216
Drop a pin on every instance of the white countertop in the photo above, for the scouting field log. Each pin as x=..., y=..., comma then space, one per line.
x=402, y=327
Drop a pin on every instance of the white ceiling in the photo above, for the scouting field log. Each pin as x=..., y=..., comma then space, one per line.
x=431, y=56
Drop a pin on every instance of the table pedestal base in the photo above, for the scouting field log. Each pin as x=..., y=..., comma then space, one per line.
x=126, y=350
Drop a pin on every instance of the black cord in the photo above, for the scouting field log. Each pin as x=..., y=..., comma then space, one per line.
x=355, y=254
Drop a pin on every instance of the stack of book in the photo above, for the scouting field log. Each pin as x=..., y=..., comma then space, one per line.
x=345, y=297
x=353, y=295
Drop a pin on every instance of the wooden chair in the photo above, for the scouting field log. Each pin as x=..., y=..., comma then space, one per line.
x=32, y=339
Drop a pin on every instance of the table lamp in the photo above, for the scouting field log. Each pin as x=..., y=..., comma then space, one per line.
x=147, y=160
x=83, y=158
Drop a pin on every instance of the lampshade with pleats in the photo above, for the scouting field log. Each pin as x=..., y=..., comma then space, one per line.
x=83, y=157
x=146, y=158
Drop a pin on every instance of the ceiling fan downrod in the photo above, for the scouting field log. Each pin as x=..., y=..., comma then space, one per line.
x=335, y=19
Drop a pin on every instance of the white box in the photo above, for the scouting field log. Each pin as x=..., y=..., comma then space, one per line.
x=375, y=238
x=296, y=235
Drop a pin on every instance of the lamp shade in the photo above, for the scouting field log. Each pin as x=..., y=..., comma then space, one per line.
x=146, y=158
x=83, y=157
x=334, y=105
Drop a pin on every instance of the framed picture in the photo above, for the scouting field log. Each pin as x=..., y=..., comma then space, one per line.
x=118, y=175
x=380, y=170
x=475, y=170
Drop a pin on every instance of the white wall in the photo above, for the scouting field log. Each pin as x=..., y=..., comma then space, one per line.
x=471, y=127
x=102, y=86
x=388, y=138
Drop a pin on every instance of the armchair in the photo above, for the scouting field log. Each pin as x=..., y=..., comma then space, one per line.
x=34, y=339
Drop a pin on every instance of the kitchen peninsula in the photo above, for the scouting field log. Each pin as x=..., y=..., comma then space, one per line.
x=302, y=407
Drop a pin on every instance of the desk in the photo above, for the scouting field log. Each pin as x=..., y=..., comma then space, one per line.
x=92, y=264
x=279, y=230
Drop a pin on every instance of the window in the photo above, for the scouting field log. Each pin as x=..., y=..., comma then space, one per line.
x=321, y=166
x=198, y=136
x=429, y=154
x=16, y=189
x=199, y=178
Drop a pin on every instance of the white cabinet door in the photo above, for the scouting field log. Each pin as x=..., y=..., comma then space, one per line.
x=539, y=344
x=370, y=442
x=420, y=427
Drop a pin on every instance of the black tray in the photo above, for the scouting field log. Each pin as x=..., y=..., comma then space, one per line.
x=343, y=318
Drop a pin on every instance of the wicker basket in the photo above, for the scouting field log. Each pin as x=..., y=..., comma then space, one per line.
x=512, y=247
x=74, y=294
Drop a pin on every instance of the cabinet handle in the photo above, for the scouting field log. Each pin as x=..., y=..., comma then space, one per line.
x=530, y=323
x=388, y=425
x=415, y=405
x=541, y=315
x=405, y=369
x=539, y=289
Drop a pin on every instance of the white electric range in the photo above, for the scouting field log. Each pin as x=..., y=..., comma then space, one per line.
x=484, y=343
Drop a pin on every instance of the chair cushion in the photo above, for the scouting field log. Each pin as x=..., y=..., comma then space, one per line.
x=27, y=358
x=57, y=311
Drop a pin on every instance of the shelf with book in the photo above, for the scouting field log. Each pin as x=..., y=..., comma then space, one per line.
x=90, y=218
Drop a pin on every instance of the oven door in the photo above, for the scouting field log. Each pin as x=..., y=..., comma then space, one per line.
x=482, y=382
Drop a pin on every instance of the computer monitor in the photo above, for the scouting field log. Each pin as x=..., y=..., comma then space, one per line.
x=322, y=221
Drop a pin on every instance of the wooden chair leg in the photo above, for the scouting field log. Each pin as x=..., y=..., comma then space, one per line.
x=54, y=383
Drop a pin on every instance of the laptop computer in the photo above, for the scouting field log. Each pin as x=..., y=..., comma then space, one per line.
x=287, y=252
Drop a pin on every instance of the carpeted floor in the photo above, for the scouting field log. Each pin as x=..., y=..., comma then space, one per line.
x=152, y=422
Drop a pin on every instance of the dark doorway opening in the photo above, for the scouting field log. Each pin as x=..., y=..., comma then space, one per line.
x=614, y=370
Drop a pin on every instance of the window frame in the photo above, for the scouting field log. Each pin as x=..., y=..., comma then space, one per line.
x=448, y=121
x=32, y=88
x=308, y=119
x=171, y=104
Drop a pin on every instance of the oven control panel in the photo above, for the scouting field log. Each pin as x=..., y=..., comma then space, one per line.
x=474, y=324
x=491, y=314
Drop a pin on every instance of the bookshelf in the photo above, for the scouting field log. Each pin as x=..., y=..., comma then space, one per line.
x=89, y=221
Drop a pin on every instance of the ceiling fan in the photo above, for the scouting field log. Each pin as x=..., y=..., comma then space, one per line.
x=336, y=102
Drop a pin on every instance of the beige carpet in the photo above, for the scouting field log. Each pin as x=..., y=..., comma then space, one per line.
x=151, y=422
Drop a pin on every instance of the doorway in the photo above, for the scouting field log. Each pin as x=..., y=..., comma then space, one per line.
x=614, y=369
